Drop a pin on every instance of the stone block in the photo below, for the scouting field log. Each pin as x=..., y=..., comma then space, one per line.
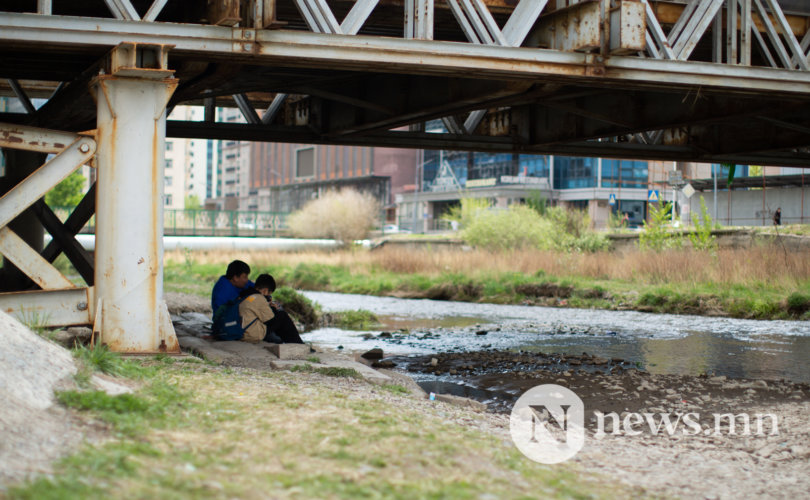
x=289, y=351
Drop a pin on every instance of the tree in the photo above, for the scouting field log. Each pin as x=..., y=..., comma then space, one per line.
x=192, y=202
x=67, y=193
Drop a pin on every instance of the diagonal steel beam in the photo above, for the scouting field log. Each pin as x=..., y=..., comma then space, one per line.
x=657, y=32
x=798, y=54
x=60, y=234
x=688, y=39
x=74, y=223
x=522, y=20
x=486, y=31
x=318, y=16
x=247, y=109
x=123, y=9
x=34, y=187
x=784, y=57
x=764, y=47
x=451, y=124
x=154, y=10
x=27, y=260
x=22, y=96
x=357, y=16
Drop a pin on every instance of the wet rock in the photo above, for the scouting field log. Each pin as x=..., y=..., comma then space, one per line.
x=434, y=362
x=386, y=363
x=385, y=335
x=717, y=380
x=481, y=332
x=760, y=384
x=599, y=361
x=373, y=354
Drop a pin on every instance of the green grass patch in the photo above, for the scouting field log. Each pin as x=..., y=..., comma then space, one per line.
x=331, y=371
x=355, y=320
x=396, y=389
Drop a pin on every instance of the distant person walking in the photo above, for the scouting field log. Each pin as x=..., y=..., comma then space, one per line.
x=777, y=217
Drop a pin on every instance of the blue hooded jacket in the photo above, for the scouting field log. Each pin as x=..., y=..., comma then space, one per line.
x=224, y=291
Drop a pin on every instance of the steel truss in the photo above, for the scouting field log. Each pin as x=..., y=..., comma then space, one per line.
x=124, y=303
x=563, y=77
x=697, y=80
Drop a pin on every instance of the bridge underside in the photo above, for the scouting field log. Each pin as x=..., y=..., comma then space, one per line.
x=587, y=99
x=698, y=80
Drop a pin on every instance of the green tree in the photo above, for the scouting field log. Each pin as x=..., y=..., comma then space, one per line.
x=67, y=193
x=192, y=202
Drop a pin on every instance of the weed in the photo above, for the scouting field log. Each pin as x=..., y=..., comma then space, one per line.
x=702, y=238
x=355, y=320
x=656, y=236
x=396, y=388
x=100, y=358
x=36, y=321
x=314, y=359
x=331, y=371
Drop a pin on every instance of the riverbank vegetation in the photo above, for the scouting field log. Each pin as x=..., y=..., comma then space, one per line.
x=761, y=282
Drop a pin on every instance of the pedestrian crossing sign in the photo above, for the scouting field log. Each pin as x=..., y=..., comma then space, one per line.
x=652, y=196
x=612, y=200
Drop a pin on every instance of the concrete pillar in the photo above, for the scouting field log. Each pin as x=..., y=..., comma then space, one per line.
x=130, y=313
x=19, y=164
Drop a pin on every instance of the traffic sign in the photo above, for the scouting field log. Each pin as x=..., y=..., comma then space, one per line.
x=688, y=190
x=652, y=196
x=612, y=199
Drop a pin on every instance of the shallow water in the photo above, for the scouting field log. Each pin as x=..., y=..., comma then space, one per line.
x=662, y=343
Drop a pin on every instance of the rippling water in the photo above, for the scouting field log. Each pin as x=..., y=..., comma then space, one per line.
x=663, y=343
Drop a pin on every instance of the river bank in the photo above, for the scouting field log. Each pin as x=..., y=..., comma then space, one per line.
x=761, y=282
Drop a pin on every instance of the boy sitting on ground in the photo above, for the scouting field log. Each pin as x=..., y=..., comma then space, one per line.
x=264, y=319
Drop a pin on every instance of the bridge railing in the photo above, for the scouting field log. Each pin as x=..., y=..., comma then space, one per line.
x=209, y=222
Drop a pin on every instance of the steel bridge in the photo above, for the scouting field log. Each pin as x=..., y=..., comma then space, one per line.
x=699, y=80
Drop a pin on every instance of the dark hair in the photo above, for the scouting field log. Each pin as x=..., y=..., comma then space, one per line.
x=266, y=281
x=236, y=268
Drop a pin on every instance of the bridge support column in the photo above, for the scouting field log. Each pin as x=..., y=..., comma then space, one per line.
x=130, y=313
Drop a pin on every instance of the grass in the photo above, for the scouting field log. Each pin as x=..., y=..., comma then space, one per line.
x=330, y=371
x=748, y=283
x=355, y=320
x=254, y=434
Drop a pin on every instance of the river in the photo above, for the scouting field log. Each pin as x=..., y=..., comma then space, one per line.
x=661, y=343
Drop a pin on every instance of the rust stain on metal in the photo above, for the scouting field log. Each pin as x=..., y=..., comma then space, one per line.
x=140, y=261
x=58, y=145
x=162, y=346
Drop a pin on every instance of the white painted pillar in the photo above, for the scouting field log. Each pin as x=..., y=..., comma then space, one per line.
x=131, y=315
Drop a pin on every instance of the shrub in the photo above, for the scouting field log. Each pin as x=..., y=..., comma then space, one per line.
x=798, y=303
x=345, y=216
x=298, y=306
x=702, y=238
x=656, y=236
x=516, y=227
x=467, y=210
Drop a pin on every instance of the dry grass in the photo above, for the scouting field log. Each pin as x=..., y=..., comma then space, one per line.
x=731, y=267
